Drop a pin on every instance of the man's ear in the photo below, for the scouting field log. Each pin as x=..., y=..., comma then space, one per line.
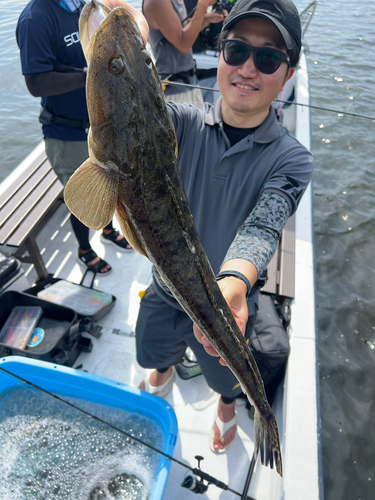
x=288, y=76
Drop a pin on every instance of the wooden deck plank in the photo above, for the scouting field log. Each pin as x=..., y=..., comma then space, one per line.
x=281, y=269
x=35, y=216
x=24, y=192
x=26, y=205
x=287, y=259
x=31, y=205
x=272, y=274
x=20, y=181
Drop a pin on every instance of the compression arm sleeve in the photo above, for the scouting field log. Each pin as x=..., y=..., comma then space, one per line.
x=54, y=83
x=256, y=239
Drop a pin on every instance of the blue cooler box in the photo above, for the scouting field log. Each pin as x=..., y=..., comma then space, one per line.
x=65, y=381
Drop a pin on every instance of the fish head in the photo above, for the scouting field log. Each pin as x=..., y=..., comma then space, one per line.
x=118, y=66
x=131, y=135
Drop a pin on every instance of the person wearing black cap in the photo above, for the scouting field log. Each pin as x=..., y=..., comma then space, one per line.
x=283, y=14
x=244, y=175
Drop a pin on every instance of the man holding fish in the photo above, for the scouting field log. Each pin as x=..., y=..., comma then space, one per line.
x=240, y=175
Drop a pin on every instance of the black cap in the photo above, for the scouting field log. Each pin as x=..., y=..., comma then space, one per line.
x=283, y=14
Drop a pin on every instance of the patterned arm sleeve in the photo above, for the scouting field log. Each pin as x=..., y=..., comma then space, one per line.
x=256, y=239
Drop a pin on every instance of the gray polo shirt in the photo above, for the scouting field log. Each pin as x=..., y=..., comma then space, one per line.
x=224, y=183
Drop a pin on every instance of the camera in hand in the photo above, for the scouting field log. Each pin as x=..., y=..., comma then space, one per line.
x=223, y=4
x=207, y=38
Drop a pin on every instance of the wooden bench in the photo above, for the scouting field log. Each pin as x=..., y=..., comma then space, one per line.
x=36, y=193
x=26, y=205
x=281, y=269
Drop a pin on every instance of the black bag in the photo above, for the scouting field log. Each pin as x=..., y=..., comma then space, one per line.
x=269, y=342
x=61, y=339
x=9, y=267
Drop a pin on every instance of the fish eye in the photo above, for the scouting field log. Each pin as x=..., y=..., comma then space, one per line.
x=147, y=57
x=116, y=65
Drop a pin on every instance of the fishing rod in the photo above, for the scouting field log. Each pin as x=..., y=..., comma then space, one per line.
x=190, y=482
x=167, y=82
x=249, y=477
x=65, y=69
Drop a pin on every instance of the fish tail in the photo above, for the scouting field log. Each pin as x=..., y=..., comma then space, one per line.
x=267, y=441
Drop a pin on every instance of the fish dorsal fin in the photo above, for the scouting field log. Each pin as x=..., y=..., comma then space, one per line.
x=91, y=195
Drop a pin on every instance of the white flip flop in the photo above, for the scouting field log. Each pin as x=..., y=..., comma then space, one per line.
x=161, y=390
x=223, y=428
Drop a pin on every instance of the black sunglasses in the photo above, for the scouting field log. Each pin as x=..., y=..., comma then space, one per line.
x=266, y=60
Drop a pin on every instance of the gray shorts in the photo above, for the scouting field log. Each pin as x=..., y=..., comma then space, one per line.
x=66, y=156
x=162, y=335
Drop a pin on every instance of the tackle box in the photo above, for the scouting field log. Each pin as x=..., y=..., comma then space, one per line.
x=18, y=328
x=84, y=300
x=55, y=331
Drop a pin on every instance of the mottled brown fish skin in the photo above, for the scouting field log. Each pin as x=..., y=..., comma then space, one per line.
x=132, y=138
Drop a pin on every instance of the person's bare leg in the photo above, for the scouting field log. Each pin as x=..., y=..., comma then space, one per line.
x=226, y=413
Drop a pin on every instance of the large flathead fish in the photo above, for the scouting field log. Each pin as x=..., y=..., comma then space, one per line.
x=132, y=170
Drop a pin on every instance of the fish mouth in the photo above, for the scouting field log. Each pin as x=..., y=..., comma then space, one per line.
x=93, y=19
x=92, y=16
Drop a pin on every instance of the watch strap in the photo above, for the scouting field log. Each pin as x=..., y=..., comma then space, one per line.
x=236, y=274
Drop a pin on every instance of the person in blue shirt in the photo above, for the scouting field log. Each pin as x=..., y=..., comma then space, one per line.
x=54, y=68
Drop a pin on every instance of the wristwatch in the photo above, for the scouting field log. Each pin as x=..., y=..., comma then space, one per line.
x=236, y=274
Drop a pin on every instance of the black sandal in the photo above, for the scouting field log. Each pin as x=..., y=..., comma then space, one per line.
x=95, y=268
x=111, y=239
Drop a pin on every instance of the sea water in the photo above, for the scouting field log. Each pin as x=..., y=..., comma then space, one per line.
x=50, y=450
x=340, y=46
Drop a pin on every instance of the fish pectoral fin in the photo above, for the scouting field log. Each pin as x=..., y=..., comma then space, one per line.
x=91, y=195
x=128, y=229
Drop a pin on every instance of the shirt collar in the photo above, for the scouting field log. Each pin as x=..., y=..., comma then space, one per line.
x=267, y=132
x=71, y=6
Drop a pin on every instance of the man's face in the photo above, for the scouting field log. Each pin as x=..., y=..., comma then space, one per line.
x=248, y=93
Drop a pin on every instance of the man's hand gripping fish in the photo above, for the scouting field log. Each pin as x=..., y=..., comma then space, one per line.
x=132, y=170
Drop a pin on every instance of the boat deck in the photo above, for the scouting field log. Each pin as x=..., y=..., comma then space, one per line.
x=113, y=357
x=295, y=404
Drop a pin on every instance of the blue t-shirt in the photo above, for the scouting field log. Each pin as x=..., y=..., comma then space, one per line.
x=47, y=36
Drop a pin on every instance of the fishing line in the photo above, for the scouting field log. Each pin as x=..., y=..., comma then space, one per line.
x=63, y=68
x=166, y=82
x=334, y=81
x=195, y=470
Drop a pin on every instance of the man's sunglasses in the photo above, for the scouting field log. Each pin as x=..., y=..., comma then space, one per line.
x=266, y=60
